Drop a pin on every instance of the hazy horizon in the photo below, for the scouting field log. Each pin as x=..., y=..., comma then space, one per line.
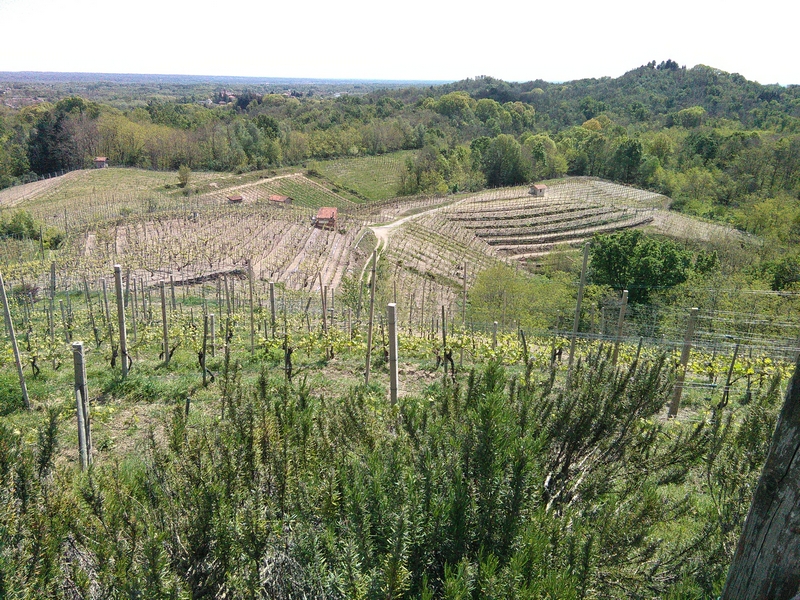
x=420, y=41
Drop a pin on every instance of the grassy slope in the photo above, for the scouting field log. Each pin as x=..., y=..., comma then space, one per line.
x=370, y=177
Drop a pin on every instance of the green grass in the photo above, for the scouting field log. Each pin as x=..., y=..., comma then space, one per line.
x=370, y=177
x=304, y=193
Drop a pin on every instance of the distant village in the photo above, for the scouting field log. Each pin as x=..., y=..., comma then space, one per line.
x=11, y=97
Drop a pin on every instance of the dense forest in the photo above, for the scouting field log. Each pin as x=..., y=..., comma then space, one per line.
x=721, y=146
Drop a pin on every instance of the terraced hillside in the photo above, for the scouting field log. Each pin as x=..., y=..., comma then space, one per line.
x=519, y=226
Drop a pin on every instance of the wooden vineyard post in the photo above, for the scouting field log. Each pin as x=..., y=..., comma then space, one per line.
x=134, y=312
x=164, y=324
x=64, y=321
x=463, y=316
x=91, y=313
x=123, y=336
x=411, y=314
x=333, y=307
x=52, y=316
x=106, y=312
x=494, y=335
x=272, y=307
x=727, y=389
x=205, y=349
x=82, y=405
x=444, y=342
x=14, y=347
x=227, y=294
x=127, y=286
x=172, y=291
x=576, y=323
x=620, y=323
x=322, y=300
x=392, y=321
x=212, y=333
x=687, y=348
x=325, y=309
x=350, y=324
x=371, y=316
x=422, y=310
x=252, y=311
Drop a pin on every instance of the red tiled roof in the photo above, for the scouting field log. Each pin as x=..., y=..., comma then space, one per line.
x=235, y=198
x=100, y=158
x=327, y=212
x=276, y=198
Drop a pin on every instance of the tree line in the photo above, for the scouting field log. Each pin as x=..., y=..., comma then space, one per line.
x=721, y=146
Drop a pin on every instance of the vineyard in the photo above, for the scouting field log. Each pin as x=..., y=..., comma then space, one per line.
x=223, y=410
x=521, y=227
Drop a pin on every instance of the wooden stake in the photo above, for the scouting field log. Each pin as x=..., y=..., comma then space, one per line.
x=205, y=348
x=687, y=348
x=444, y=341
x=14, y=347
x=252, y=309
x=272, y=307
x=371, y=317
x=64, y=321
x=134, y=312
x=392, y=321
x=164, y=324
x=213, y=334
x=123, y=335
x=106, y=312
x=82, y=405
x=576, y=323
x=52, y=316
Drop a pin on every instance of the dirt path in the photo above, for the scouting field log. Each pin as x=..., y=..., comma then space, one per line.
x=384, y=232
x=258, y=182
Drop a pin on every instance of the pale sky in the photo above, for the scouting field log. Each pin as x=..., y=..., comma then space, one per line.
x=412, y=39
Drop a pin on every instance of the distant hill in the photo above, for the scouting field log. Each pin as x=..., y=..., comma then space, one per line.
x=647, y=92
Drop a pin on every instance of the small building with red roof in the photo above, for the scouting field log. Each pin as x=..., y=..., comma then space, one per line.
x=326, y=217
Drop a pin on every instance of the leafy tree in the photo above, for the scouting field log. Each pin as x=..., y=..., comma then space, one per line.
x=456, y=105
x=630, y=260
x=626, y=160
x=783, y=274
x=502, y=162
x=269, y=126
x=591, y=107
x=690, y=117
x=184, y=175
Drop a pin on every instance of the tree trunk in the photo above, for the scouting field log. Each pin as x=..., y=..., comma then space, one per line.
x=766, y=564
